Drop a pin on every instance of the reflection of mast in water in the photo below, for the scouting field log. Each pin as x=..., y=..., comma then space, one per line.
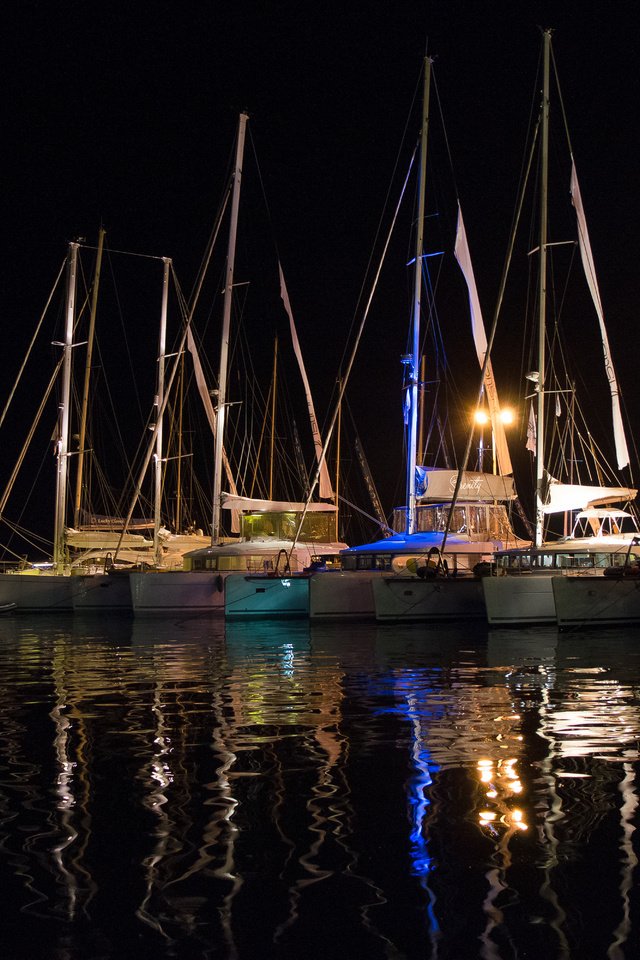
x=528, y=662
x=595, y=727
x=72, y=792
x=325, y=791
x=419, y=802
x=286, y=713
x=169, y=795
x=292, y=695
x=457, y=726
x=221, y=832
x=333, y=815
x=629, y=858
x=161, y=777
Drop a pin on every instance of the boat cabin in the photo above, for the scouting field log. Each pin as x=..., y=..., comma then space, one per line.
x=479, y=521
x=480, y=512
x=563, y=561
x=267, y=532
x=316, y=527
x=406, y=554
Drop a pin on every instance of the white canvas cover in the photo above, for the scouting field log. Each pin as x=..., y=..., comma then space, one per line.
x=475, y=486
x=104, y=539
x=563, y=497
x=232, y=502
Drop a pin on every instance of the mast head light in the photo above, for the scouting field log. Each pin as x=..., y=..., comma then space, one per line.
x=533, y=376
x=406, y=359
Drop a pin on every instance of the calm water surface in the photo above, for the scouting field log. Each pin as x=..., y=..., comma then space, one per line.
x=180, y=790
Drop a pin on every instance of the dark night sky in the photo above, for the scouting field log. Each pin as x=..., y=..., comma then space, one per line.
x=125, y=114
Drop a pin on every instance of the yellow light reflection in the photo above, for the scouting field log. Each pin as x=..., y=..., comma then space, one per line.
x=487, y=816
x=501, y=782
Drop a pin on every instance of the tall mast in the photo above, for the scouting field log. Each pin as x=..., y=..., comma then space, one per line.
x=87, y=378
x=62, y=445
x=178, y=510
x=542, y=293
x=226, y=323
x=423, y=374
x=414, y=373
x=162, y=347
x=274, y=393
x=338, y=452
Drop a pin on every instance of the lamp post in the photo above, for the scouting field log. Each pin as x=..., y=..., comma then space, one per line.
x=482, y=418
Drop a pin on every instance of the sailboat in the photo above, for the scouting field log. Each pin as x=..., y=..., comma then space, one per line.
x=602, y=534
x=88, y=538
x=424, y=572
x=106, y=587
x=270, y=539
x=51, y=587
x=391, y=578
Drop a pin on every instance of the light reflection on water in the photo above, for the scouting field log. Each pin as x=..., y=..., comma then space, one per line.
x=177, y=790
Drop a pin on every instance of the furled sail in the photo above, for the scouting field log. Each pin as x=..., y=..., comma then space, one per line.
x=622, y=452
x=211, y=417
x=480, y=339
x=325, y=489
x=531, y=430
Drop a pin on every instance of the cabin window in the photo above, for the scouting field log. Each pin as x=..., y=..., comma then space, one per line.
x=542, y=561
x=619, y=559
x=483, y=520
x=584, y=560
x=201, y=563
x=366, y=561
x=317, y=527
x=498, y=523
x=326, y=561
x=234, y=563
x=255, y=525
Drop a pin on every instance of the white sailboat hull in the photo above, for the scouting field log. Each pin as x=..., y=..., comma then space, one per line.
x=410, y=599
x=345, y=596
x=585, y=601
x=342, y=595
x=527, y=595
x=177, y=592
x=519, y=599
x=103, y=593
x=263, y=597
x=38, y=592
x=330, y=595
